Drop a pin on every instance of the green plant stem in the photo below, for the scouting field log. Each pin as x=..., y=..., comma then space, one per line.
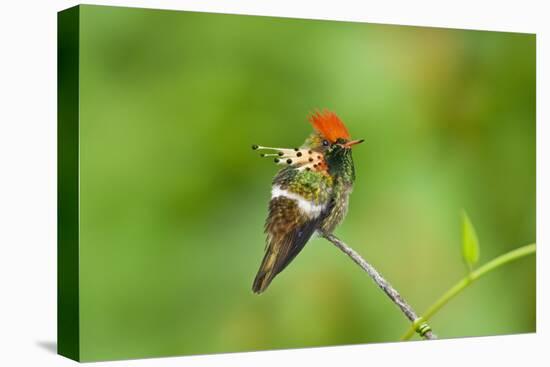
x=469, y=279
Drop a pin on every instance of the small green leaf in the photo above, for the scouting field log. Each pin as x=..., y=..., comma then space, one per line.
x=470, y=244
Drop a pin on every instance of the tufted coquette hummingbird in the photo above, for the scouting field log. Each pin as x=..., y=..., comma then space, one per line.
x=310, y=193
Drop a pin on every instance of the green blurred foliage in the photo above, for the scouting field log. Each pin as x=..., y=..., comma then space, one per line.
x=173, y=200
x=470, y=243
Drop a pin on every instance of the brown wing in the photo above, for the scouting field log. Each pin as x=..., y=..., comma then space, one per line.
x=288, y=230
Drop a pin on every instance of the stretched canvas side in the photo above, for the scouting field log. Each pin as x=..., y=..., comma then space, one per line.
x=67, y=184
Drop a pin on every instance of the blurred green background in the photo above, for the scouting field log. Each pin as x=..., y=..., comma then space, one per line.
x=173, y=200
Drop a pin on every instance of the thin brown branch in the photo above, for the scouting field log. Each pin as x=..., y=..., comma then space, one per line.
x=422, y=328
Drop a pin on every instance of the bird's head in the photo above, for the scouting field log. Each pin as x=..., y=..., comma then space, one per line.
x=330, y=135
x=328, y=148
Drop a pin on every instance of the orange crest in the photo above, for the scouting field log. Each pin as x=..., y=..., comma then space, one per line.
x=329, y=125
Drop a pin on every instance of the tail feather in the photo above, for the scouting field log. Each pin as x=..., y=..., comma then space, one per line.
x=288, y=230
x=266, y=273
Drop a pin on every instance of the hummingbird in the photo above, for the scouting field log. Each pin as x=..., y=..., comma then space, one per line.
x=309, y=194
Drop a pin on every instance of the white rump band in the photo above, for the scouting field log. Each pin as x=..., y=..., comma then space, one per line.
x=311, y=209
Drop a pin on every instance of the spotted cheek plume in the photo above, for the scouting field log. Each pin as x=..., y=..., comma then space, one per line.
x=299, y=158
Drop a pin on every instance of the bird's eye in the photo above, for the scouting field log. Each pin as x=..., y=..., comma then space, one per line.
x=325, y=143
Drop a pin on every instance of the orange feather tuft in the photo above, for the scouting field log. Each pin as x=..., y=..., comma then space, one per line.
x=329, y=125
